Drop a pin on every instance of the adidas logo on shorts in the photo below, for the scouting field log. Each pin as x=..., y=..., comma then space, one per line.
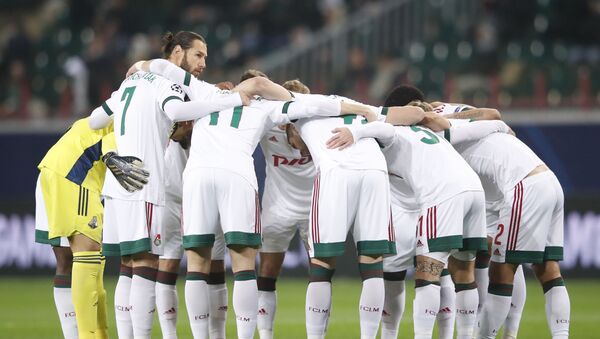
x=497, y=252
x=419, y=243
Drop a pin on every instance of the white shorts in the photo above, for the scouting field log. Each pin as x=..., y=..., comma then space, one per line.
x=170, y=219
x=41, y=221
x=345, y=199
x=217, y=200
x=492, y=217
x=131, y=227
x=456, y=223
x=531, y=224
x=278, y=231
x=405, y=223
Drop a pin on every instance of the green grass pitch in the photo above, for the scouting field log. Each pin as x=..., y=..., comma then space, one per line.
x=28, y=310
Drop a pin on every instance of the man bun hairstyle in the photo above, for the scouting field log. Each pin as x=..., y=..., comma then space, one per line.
x=185, y=39
x=402, y=95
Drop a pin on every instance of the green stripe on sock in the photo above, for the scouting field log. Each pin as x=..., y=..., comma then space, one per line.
x=548, y=285
x=423, y=283
x=373, y=270
x=196, y=276
x=62, y=281
x=147, y=273
x=501, y=289
x=244, y=275
x=319, y=273
x=465, y=287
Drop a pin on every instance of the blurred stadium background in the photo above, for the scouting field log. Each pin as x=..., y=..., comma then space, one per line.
x=537, y=61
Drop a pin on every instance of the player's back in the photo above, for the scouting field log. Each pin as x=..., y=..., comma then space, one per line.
x=227, y=139
x=76, y=155
x=434, y=170
x=142, y=130
x=364, y=154
x=500, y=159
x=290, y=175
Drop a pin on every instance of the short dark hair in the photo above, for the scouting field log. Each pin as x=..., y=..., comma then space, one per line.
x=402, y=95
x=252, y=73
x=185, y=39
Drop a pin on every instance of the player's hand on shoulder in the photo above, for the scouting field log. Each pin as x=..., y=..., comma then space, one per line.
x=341, y=139
x=181, y=132
x=246, y=97
x=226, y=85
x=134, y=68
x=129, y=171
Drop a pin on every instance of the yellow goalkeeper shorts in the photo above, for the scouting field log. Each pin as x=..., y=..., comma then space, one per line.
x=71, y=208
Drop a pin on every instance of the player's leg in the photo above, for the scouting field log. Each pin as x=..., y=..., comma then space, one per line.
x=394, y=269
x=426, y=304
x=167, y=301
x=200, y=220
x=64, y=261
x=447, y=313
x=277, y=233
x=217, y=290
x=558, y=305
x=374, y=235
x=87, y=265
x=513, y=319
x=143, y=293
x=328, y=227
x=62, y=291
x=462, y=263
x=482, y=263
x=245, y=289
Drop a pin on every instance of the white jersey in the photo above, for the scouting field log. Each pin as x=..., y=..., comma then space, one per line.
x=402, y=194
x=227, y=139
x=501, y=160
x=447, y=109
x=142, y=131
x=175, y=160
x=431, y=166
x=289, y=180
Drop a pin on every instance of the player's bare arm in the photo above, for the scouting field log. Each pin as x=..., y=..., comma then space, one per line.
x=404, y=115
x=477, y=114
x=435, y=122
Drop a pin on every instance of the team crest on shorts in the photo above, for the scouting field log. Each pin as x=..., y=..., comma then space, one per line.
x=157, y=240
x=93, y=223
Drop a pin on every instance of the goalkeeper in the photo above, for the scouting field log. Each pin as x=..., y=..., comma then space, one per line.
x=68, y=206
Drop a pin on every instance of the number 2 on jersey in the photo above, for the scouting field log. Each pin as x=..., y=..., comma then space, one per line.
x=433, y=139
x=127, y=95
x=235, y=118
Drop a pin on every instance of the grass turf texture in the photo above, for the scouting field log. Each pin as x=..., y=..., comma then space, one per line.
x=28, y=310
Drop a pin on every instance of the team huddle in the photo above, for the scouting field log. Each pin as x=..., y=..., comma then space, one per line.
x=445, y=188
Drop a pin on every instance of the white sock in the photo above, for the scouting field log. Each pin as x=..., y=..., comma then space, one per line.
x=65, y=309
x=482, y=279
x=493, y=314
x=447, y=312
x=197, y=303
x=466, y=312
x=370, y=306
x=123, y=307
x=245, y=306
x=143, y=305
x=318, y=307
x=267, y=305
x=167, y=306
x=425, y=308
x=558, y=310
x=511, y=325
x=393, y=308
x=217, y=295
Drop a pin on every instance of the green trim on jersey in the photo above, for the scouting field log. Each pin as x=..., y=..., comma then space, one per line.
x=520, y=257
x=111, y=250
x=187, y=79
x=286, y=106
x=214, y=118
x=107, y=109
x=442, y=244
x=553, y=253
x=169, y=99
x=445, y=272
x=242, y=238
x=474, y=244
x=369, y=247
x=384, y=111
x=198, y=241
x=41, y=237
x=332, y=249
x=447, y=134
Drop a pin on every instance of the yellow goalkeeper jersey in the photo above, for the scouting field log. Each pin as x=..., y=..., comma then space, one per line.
x=77, y=155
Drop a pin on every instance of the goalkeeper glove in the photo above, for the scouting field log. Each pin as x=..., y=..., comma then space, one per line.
x=128, y=171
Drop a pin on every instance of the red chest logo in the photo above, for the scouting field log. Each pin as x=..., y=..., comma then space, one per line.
x=279, y=160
